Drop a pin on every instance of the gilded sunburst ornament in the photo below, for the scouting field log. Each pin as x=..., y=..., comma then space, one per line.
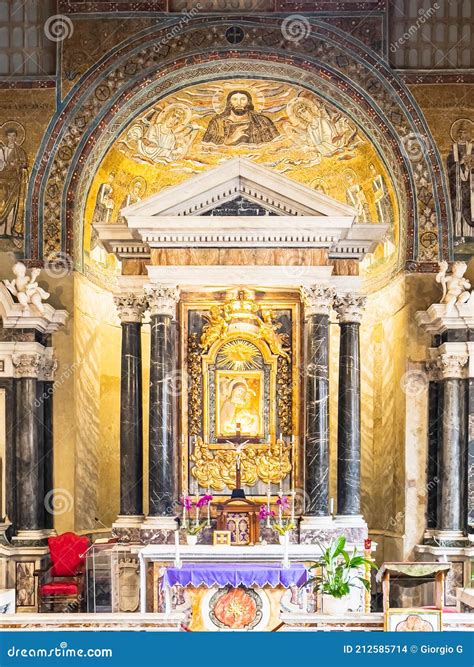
x=241, y=355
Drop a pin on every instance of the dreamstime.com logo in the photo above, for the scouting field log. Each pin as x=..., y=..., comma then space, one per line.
x=61, y=651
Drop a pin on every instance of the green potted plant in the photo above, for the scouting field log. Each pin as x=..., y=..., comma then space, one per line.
x=338, y=572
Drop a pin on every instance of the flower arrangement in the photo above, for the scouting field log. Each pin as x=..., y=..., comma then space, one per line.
x=194, y=527
x=283, y=524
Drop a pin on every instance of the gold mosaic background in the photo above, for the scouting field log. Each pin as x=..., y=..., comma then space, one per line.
x=178, y=125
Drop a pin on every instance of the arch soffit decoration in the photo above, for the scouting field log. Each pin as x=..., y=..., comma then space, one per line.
x=140, y=72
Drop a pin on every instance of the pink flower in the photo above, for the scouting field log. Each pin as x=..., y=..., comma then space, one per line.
x=205, y=500
x=186, y=502
x=283, y=502
x=264, y=513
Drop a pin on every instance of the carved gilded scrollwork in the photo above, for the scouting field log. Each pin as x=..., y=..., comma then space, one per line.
x=284, y=396
x=195, y=385
x=216, y=469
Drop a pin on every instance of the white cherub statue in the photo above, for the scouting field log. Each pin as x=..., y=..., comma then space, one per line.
x=455, y=286
x=25, y=287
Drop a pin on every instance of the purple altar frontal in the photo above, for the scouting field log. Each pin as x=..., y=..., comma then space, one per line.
x=236, y=574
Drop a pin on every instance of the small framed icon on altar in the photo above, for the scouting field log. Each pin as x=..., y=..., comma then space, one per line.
x=221, y=537
x=413, y=620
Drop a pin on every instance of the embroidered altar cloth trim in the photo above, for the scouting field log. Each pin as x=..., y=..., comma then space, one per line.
x=236, y=574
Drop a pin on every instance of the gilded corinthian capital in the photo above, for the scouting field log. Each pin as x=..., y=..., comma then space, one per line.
x=317, y=300
x=130, y=307
x=162, y=300
x=349, y=308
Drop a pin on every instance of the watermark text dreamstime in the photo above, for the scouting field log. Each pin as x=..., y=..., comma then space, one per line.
x=61, y=651
x=65, y=375
x=182, y=23
x=425, y=15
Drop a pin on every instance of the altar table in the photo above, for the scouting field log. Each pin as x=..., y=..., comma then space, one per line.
x=236, y=574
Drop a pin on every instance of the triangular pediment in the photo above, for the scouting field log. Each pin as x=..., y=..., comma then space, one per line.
x=240, y=204
x=233, y=179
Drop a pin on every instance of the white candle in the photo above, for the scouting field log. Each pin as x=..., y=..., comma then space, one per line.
x=268, y=505
x=293, y=494
x=208, y=508
x=184, y=512
x=176, y=544
x=197, y=511
x=286, y=541
x=331, y=507
x=280, y=511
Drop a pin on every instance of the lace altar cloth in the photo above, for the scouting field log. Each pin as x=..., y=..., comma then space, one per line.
x=236, y=574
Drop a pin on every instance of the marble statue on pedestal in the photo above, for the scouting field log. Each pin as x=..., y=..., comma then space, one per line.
x=456, y=288
x=26, y=289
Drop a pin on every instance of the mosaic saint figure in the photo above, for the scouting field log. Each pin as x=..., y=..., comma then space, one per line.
x=134, y=195
x=163, y=135
x=381, y=196
x=355, y=196
x=461, y=177
x=104, y=206
x=239, y=123
x=324, y=133
x=13, y=181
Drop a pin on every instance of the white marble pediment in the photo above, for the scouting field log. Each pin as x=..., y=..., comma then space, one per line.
x=298, y=217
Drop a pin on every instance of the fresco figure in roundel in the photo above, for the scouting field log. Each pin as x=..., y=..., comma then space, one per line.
x=239, y=123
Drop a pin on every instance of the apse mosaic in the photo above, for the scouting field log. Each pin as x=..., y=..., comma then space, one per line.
x=281, y=126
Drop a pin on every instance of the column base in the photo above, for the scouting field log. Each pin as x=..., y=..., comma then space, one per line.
x=158, y=530
x=446, y=538
x=127, y=528
x=314, y=529
x=459, y=557
x=33, y=538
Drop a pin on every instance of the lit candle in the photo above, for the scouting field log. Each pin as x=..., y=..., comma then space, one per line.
x=268, y=505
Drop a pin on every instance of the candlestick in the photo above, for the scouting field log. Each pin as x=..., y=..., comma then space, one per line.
x=196, y=521
x=268, y=504
x=177, y=560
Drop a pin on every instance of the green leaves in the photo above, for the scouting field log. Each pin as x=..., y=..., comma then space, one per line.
x=337, y=569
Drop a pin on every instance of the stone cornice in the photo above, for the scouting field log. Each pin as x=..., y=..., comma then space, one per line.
x=440, y=318
x=14, y=316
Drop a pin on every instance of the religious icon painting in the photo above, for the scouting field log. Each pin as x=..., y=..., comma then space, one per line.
x=413, y=620
x=221, y=537
x=239, y=400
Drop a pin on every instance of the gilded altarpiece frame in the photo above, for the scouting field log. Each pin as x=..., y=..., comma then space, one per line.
x=240, y=355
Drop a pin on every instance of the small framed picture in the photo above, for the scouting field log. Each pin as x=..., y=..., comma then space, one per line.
x=221, y=537
x=413, y=620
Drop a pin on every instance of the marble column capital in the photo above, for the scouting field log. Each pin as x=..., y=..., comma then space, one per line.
x=452, y=365
x=27, y=365
x=162, y=300
x=317, y=299
x=48, y=369
x=130, y=307
x=349, y=308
